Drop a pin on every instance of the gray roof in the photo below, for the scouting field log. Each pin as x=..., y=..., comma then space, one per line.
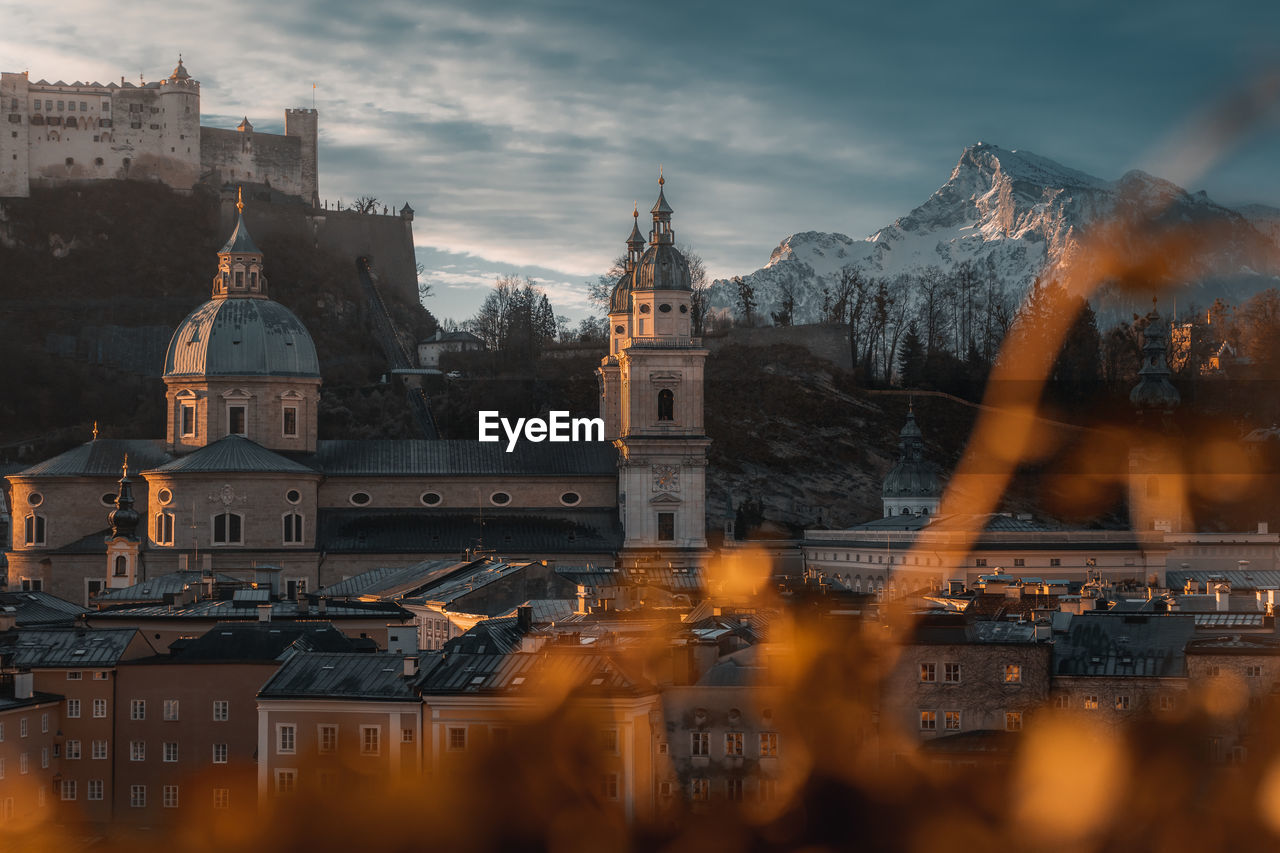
x=389, y=582
x=425, y=531
x=463, y=457
x=39, y=608
x=521, y=673
x=101, y=458
x=232, y=610
x=546, y=609
x=241, y=337
x=1239, y=579
x=662, y=267
x=156, y=588
x=458, y=584
x=259, y=641
x=1103, y=644
x=325, y=675
x=235, y=454
x=453, y=337
x=56, y=648
x=239, y=243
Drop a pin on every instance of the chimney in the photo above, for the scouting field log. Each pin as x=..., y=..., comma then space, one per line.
x=23, y=685
x=322, y=605
x=524, y=619
x=402, y=639
x=1222, y=595
x=410, y=666
x=264, y=612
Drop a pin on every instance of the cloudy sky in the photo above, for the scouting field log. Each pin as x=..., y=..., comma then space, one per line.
x=522, y=131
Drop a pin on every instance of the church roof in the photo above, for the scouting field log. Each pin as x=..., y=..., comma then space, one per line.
x=427, y=531
x=235, y=454
x=101, y=458
x=240, y=243
x=241, y=337
x=462, y=457
x=662, y=267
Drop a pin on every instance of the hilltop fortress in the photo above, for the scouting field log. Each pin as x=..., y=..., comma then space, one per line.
x=58, y=132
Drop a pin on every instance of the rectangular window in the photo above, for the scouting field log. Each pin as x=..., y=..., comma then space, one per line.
x=74, y=675
x=1019, y=562
x=35, y=530
x=219, y=753
x=1253, y=671
x=700, y=743
x=928, y=721
x=370, y=740
x=406, y=736
x=1055, y=562
x=138, y=709
x=73, y=708
x=457, y=739
x=928, y=672
x=289, y=427
x=188, y=420
x=286, y=781
x=100, y=750
x=22, y=727
x=235, y=420
x=137, y=750
x=170, y=752
x=951, y=673
x=733, y=743
x=1122, y=703
x=99, y=709
x=1091, y=703
x=328, y=738
x=221, y=798
x=138, y=796
x=73, y=749
x=609, y=786
x=171, y=709
x=1061, y=701
x=95, y=789
x=666, y=527
x=1166, y=703
x=221, y=710
x=733, y=790
x=951, y=720
x=609, y=741
x=768, y=744
x=1012, y=673
x=700, y=790
x=1013, y=721
x=44, y=758
x=980, y=562
x=170, y=796
x=24, y=764
x=164, y=528
x=68, y=789
x=286, y=739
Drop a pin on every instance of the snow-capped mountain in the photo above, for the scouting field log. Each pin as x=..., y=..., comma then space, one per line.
x=1014, y=214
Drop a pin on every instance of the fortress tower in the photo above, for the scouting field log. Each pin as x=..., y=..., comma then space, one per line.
x=301, y=123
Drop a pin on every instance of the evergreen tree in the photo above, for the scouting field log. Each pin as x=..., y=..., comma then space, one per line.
x=911, y=358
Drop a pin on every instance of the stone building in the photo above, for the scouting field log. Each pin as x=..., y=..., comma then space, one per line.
x=61, y=132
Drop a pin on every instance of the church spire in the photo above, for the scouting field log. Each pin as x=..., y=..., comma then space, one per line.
x=124, y=518
x=1154, y=391
x=240, y=262
x=635, y=242
x=661, y=211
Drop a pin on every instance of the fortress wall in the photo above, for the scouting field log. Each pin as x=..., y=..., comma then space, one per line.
x=828, y=341
x=13, y=136
x=234, y=156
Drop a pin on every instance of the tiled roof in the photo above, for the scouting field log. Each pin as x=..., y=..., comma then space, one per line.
x=235, y=454
x=39, y=608
x=1124, y=644
x=428, y=531
x=322, y=675
x=69, y=647
x=102, y=458
x=463, y=457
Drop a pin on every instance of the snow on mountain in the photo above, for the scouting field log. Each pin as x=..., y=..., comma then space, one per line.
x=1014, y=213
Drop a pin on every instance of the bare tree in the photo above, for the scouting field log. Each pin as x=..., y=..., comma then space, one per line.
x=746, y=299
x=786, y=312
x=365, y=204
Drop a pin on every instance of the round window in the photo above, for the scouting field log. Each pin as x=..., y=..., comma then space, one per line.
x=570, y=499
x=164, y=496
x=644, y=309
x=35, y=499
x=664, y=308
x=109, y=499
x=431, y=498
x=360, y=498
x=621, y=330
x=500, y=498
x=293, y=496
x=684, y=309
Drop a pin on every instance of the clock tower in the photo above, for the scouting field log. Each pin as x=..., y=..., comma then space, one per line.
x=651, y=401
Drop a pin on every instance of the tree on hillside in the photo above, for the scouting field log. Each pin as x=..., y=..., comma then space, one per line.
x=746, y=298
x=911, y=357
x=786, y=304
x=700, y=299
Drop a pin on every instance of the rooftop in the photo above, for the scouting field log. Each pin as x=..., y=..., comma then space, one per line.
x=327, y=675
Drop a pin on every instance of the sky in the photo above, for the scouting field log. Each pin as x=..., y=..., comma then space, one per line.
x=522, y=132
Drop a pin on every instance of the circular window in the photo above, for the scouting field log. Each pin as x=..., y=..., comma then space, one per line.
x=500, y=498
x=684, y=309
x=35, y=499
x=570, y=499
x=431, y=498
x=109, y=499
x=664, y=308
x=360, y=498
x=164, y=496
x=293, y=496
x=644, y=309
x=621, y=330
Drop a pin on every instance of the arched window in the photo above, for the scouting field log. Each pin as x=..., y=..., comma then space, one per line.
x=666, y=405
x=228, y=529
x=164, y=528
x=35, y=529
x=122, y=566
x=292, y=528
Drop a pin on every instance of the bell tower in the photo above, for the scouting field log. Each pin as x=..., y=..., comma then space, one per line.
x=652, y=401
x=123, y=545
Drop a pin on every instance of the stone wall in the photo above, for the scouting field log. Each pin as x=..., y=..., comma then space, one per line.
x=231, y=156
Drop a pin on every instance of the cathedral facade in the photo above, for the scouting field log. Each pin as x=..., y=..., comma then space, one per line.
x=243, y=479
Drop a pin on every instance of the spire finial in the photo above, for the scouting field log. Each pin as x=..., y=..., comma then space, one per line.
x=95, y=430
x=635, y=209
x=661, y=180
x=125, y=467
x=240, y=199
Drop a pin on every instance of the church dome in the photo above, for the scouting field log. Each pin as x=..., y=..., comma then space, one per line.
x=241, y=337
x=913, y=476
x=662, y=267
x=620, y=300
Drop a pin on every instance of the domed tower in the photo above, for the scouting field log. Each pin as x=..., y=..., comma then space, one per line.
x=242, y=364
x=912, y=486
x=651, y=386
x=1157, y=487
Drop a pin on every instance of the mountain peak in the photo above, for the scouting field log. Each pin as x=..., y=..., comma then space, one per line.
x=1023, y=166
